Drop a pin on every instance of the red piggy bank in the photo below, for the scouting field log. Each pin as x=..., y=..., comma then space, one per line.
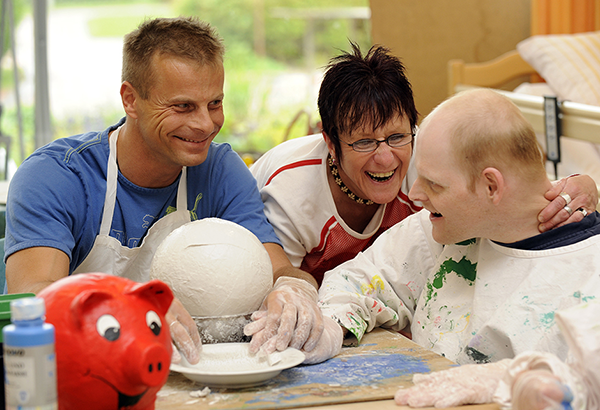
x=113, y=347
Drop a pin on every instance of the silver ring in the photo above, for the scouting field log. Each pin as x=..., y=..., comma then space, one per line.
x=583, y=211
x=566, y=197
x=569, y=210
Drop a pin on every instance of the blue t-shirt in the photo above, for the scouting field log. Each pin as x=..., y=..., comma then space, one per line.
x=56, y=197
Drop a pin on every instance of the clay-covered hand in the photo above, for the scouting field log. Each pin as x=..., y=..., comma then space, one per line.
x=540, y=390
x=184, y=334
x=467, y=384
x=289, y=317
x=329, y=344
x=578, y=193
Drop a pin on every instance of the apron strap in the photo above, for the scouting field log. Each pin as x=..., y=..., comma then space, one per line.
x=182, y=190
x=111, y=185
x=110, y=198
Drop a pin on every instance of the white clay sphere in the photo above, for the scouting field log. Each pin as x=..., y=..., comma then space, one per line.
x=214, y=267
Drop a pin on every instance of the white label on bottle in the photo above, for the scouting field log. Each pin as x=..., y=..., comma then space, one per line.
x=30, y=377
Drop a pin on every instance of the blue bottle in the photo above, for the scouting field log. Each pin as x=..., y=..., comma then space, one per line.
x=29, y=357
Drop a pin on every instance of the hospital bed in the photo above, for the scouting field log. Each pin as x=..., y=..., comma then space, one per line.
x=561, y=59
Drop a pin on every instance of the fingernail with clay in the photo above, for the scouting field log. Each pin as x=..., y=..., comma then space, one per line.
x=175, y=357
x=191, y=353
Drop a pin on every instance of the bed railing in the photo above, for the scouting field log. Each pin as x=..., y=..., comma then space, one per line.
x=578, y=121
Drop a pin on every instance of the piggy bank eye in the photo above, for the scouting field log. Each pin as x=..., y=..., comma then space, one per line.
x=153, y=322
x=108, y=327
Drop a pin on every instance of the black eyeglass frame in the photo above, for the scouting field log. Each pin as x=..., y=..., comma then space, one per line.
x=410, y=136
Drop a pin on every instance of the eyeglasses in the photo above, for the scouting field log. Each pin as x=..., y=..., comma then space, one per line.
x=370, y=145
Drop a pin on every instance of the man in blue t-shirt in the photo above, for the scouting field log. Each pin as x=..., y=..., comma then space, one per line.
x=103, y=201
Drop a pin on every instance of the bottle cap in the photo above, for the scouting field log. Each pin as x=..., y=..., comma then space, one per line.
x=27, y=309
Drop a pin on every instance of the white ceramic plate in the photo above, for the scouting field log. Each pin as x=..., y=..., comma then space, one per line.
x=232, y=365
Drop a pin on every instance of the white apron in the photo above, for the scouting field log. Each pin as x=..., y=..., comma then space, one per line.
x=107, y=254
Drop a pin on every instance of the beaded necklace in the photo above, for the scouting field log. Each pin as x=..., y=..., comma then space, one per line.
x=336, y=176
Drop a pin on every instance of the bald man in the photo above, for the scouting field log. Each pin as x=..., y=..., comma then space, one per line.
x=470, y=276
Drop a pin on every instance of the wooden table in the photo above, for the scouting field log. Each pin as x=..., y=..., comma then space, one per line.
x=361, y=377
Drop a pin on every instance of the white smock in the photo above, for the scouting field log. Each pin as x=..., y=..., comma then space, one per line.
x=108, y=255
x=473, y=302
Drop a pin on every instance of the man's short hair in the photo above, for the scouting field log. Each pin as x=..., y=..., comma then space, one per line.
x=491, y=131
x=359, y=92
x=184, y=37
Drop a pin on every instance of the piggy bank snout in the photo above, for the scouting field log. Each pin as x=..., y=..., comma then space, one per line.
x=152, y=367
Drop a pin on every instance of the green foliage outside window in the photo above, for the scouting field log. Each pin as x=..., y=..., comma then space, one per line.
x=252, y=125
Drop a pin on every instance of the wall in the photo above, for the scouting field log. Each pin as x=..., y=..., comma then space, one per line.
x=426, y=34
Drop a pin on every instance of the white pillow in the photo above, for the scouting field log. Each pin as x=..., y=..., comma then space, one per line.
x=570, y=64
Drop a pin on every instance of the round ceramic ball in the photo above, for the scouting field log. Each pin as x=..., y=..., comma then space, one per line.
x=214, y=267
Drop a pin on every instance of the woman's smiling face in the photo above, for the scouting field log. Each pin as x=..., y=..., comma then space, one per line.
x=376, y=175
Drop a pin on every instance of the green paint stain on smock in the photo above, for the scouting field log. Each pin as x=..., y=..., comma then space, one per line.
x=547, y=319
x=464, y=268
x=578, y=295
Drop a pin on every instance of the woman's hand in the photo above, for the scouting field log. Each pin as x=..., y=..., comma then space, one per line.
x=289, y=316
x=572, y=199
